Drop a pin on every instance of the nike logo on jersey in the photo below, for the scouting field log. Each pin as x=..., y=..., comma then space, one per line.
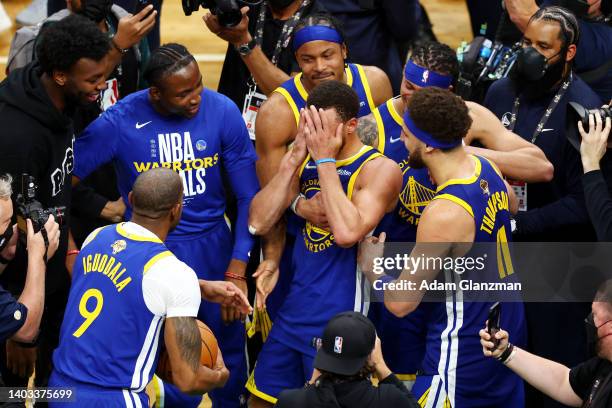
x=547, y=130
x=141, y=125
x=392, y=140
x=310, y=166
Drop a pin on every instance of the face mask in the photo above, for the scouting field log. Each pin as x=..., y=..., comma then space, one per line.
x=592, y=336
x=280, y=4
x=95, y=10
x=532, y=74
x=6, y=237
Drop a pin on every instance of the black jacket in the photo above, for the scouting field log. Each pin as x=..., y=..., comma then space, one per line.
x=36, y=138
x=351, y=394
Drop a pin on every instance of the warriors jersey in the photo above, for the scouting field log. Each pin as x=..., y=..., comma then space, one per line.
x=136, y=138
x=459, y=374
x=326, y=280
x=296, y=95
x=110, y=336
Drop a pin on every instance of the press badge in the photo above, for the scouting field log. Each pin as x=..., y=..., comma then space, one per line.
x=252, y=103
x=520, y=190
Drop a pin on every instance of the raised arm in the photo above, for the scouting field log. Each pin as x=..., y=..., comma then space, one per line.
x=184, y=344
x=516, y=158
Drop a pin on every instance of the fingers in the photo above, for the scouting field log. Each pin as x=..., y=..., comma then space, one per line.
x=316, y=119
x=30, y=228
x=382, y=237
x=606, y=130
x=598, y=124
x=225, y=314
x=142, y=13
x=591, y=121
x=581, y=129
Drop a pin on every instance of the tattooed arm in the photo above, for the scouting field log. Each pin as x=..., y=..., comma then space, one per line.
x=183, y=343
x=367, y=130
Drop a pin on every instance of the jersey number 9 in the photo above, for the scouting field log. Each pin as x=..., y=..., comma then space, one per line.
x=89, y=316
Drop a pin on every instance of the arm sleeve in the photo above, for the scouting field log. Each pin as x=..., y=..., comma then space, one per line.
x=567, y=210
x=239, y=162
x=599, y=204
x=171, y=289
x=97, y=144
x=581, y=377
x=86, y=202
x=12, y=315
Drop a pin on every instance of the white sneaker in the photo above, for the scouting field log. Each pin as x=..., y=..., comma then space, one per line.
x=33, y=14
x=5, y=20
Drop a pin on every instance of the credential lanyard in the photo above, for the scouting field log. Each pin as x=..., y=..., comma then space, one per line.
x=551, y=107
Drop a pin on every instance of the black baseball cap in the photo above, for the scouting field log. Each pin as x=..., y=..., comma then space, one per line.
x=348, y=340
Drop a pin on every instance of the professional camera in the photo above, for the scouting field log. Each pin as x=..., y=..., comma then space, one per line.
x=578, y=113
x=482, y=62
x=29, y=207
x=227, y=11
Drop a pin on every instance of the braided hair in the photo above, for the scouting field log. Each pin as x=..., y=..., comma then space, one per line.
x=570, y=30
x=436, y=57
x=166, y=60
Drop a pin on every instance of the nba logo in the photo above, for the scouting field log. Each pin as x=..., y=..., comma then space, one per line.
x=425, y=76
x=338, y=345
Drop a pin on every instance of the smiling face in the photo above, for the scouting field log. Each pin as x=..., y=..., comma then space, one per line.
x=84, y=82
x=179, y=93
x=321, y=61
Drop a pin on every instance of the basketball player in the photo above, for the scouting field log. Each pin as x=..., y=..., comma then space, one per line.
x=200, y=134
x=321, y=52
x=462, y=210
x=126, y=285
x=433, y=64
x=358, y=185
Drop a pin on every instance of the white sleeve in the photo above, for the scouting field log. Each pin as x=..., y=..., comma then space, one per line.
x=171, y=289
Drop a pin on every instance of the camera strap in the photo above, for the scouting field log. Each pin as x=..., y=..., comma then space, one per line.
x=551, y=107
x=43, y=232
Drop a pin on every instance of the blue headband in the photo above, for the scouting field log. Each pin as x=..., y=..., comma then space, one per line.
x=316, y=33
x=426, y=77
x=425, y=137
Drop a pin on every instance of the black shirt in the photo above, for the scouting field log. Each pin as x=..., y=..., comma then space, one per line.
x=592, y=381
x=354, y=394
x=235, y=74
x=598, y=195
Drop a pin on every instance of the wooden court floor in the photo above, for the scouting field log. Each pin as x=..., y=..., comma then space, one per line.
x=449, y=17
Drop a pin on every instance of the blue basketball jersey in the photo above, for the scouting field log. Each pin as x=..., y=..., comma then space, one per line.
x=109, y=338
x=326, y=280
x=417, y=187
x=296, y=95
x=137, y=138
x=463, y=377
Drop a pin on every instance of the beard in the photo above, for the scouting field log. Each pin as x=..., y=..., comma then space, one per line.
x=537, y=89
x=415, y=159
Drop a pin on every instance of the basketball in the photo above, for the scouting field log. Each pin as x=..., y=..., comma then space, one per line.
x=208, y=353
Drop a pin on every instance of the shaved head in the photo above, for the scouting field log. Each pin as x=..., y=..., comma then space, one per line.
x=156, y=192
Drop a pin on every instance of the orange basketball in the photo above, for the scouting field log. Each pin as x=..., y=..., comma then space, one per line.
x=208, y=353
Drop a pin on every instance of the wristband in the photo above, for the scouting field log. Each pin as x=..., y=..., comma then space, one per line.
x=326, y=160
x=295, y=201
x=234, y=276
x=506, y=354
x=510, y=357
x=72, y=252
x=121, y=50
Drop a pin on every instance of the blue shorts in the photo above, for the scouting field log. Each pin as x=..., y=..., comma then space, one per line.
x=87, y=395
x=278, y=368
x=209, y=255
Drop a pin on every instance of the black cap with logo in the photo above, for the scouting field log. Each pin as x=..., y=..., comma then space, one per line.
x=348, y=340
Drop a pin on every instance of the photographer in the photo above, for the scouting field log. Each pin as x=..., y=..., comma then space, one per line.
x=20, y=319
x=596, y=188
x=594, y=52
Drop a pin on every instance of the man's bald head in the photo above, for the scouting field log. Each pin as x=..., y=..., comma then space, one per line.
x=156, y=192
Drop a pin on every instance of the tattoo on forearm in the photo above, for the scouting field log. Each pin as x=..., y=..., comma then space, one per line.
x=367, y=130
x=188, y=340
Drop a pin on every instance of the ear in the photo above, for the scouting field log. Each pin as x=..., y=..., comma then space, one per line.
x=59, y=77
x=351, y=126
x=176, y=211
x=344, y=51
x=130, y=200
x=429, y=149
x=571, y=53
x=154, y=93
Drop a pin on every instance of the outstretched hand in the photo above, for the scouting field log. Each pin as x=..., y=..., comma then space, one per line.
x=226, y=294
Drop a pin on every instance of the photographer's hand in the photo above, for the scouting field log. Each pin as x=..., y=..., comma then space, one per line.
x=9, y=251
x=487, y=344
x=594, y=142
x=36, y=242
x=237, y=35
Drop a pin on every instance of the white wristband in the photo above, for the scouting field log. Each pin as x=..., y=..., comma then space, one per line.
x=510, y=357
x=295, y=201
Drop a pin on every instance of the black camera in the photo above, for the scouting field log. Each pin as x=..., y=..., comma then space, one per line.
x=29, y=207
x=227, y=11
x=578, y=113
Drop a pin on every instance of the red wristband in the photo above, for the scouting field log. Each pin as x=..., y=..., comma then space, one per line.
x=234, y=276
x=72, y=252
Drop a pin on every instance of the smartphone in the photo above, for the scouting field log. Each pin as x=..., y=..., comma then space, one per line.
x=493, y=323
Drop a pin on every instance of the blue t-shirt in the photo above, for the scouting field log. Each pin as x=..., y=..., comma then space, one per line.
x=12, y=315
x=136, y=138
